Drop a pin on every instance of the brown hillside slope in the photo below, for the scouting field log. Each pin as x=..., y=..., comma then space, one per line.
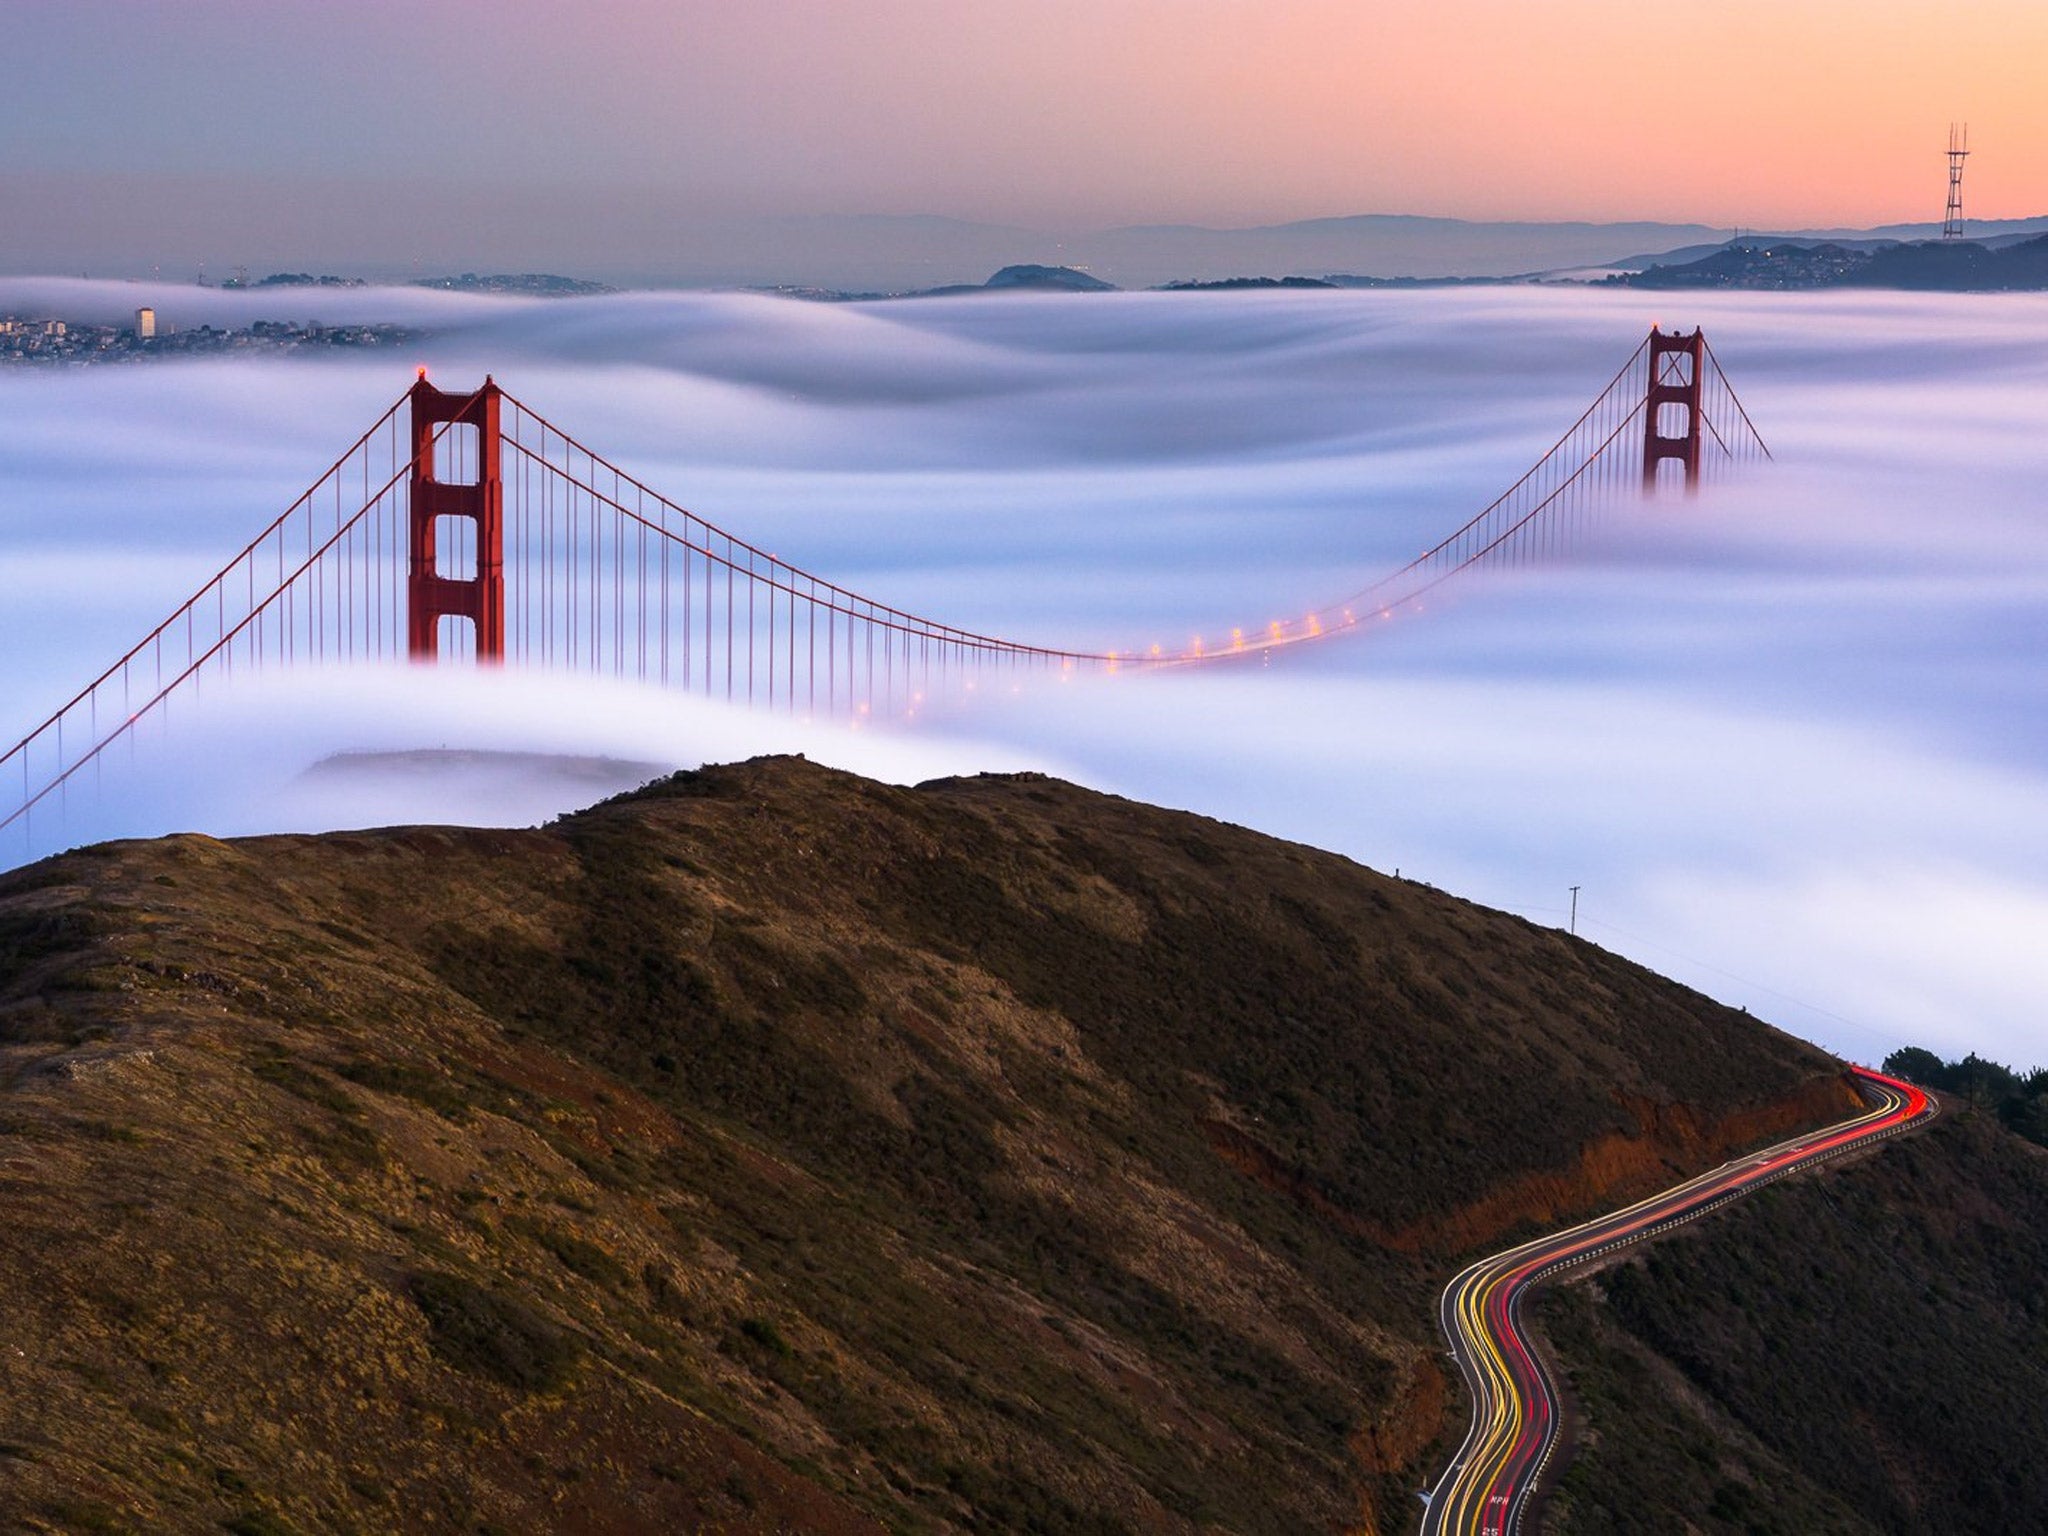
x=1860, y=1355
x=775, y=1150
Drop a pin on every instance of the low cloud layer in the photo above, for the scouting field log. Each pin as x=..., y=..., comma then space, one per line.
x=1787, y=738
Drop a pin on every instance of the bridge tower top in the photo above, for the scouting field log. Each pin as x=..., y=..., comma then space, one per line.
x=457, y=472
x=1671, y=410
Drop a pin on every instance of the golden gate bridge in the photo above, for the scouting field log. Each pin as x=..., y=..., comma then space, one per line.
x=470, y=527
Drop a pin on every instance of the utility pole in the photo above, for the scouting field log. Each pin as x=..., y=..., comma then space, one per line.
x=1575, y=910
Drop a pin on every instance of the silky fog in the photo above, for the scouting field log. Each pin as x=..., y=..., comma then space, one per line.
x=1786, y=738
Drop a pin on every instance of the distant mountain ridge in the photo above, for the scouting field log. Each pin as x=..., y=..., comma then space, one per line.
x=1373, y=251
x=892, y=255
x=2017, y=265
x=1026, y=277
x=905, y=253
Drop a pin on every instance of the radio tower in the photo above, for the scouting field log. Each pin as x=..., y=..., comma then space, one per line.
x=1958, y=152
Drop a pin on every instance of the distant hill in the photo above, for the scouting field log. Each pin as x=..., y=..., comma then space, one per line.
x=1065, y=279
x=1950, y=266
x=873, y=255
x=893, y=255
x=875, y=258
x=537, y=285
x=298, y=280
x=1238, y=284
x=1023, y=277
x=772, y=1150
x=1991, y=233
x=1779, y=265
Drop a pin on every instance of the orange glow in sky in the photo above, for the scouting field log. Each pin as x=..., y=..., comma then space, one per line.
x=1051, y=114
x=1750, y=112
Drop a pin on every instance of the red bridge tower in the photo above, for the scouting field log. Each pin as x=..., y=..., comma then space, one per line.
x=430, y=595
x=1677, y=368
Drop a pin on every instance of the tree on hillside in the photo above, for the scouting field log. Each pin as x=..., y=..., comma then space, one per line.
x=2020, y=1101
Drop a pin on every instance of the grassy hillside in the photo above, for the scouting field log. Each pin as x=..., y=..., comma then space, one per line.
x=1865, y=1353
x=774, y=1150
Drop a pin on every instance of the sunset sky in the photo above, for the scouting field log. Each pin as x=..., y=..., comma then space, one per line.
x=137, y=129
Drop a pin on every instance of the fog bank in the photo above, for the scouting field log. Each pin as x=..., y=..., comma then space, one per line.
x=1787, y=739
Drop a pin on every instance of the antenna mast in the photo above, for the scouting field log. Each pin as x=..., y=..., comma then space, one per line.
x=1958, y=152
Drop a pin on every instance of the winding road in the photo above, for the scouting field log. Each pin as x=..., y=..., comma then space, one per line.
x=1487, y=1487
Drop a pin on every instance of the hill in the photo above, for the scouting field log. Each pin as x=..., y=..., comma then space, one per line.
x=895, y=255
x=1950, y=266
x=768, y=1149
x=536, y=285
x=1024, y=277
x=1862, y=1355
x=1057, y=279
